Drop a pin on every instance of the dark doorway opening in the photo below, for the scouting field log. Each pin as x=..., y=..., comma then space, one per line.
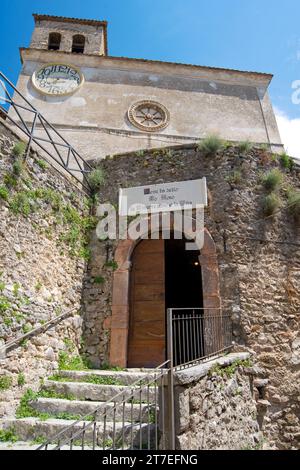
x=164, y=275
x=183, y=290
x=183, y=280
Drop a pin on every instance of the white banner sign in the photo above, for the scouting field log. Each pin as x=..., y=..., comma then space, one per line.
x=164, y=197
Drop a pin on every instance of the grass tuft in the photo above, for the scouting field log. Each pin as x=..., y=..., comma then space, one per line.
x=271, y=204
x=294, y=204
x=96, y=179
x=8, y=435
x=5, y=382
x=272, y=180
x=286, y=161
x=245, y=147
x=210, y=145
x=4, y=193
x=19, y=149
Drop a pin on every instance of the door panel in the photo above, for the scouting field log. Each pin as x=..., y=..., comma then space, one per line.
x=146, y=339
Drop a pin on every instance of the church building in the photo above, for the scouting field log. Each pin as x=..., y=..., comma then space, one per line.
x=154, y=131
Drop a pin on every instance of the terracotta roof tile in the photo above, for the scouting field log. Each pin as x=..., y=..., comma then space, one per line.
x=65, y=19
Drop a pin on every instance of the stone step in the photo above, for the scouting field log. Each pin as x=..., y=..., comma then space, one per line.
x=29, y=429
x=93, y=392
x=126, y=377
x=23, y=445
x=131, y=412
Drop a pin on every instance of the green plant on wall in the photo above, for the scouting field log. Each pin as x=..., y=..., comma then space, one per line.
x=235, y=178
x=286, y=161
x=272, y=180
x=42, y=164
x=5, y=382
x=19, y=149
x=4, y=193
x=271, y=204
x=210, y=145
x=18, y=167
x=96, y=179
x=111, y=264
x=99, y=280
x=294, y=203
x=245, y=147
x=8, y=435
x=10, y=180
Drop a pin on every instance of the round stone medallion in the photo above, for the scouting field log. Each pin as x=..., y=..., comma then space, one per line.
x=149, y=116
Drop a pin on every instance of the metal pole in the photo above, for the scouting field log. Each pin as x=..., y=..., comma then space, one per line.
x=171, y=420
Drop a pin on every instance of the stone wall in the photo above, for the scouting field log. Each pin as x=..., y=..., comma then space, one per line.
x=215, y=406
x=257, y=257
x=94, y=35
x=41, y=269
x=200, y=100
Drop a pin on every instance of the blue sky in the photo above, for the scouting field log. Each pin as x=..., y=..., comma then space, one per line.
x=259, y=35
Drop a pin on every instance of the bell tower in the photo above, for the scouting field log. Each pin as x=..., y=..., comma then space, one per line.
x=72, y=35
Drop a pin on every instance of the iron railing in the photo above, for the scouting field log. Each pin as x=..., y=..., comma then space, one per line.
x=6, y=347
x=57, y=150
x=138, y=417
x=197, y=334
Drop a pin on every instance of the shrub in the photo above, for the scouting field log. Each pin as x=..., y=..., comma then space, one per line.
x=96, y=179
x=272, y=180
x=19, y=148
x=294, y=203
x=4, y=193
x=271, y=204
x=286, y=161
x=5, y=382
x=210, y=145
x=245, y=147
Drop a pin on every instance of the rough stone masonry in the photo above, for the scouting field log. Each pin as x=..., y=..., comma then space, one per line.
x=258, y=258
x=40, y=277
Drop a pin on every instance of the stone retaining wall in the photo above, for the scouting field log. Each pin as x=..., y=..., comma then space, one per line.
x=215, y=407
x=41, y=277
x=259, y=281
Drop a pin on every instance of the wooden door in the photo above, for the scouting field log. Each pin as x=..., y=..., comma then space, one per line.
x=146, y=339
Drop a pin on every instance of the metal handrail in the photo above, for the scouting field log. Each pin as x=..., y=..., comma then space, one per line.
x=39, y=329
x=135, y=388
x=80, y=165
x=196, y=336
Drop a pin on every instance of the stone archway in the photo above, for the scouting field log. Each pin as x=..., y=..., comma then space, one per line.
x=120, y=297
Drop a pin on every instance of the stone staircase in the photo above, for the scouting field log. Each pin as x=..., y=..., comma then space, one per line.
x=69, y=395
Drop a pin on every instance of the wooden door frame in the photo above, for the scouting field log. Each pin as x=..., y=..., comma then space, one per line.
x=119, y=324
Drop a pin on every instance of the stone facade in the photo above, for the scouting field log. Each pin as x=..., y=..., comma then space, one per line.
x=257, y=260
x=40, y=279
x=93, y=31
x=215, y=407
x=94, y=119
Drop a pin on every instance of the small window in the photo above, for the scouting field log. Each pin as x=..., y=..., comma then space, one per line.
x=54, y=41
x=78, y=43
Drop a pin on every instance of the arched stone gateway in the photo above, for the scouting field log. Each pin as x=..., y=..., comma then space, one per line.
x=120, y=321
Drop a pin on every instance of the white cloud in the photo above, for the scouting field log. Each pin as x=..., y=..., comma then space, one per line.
x=290, y=132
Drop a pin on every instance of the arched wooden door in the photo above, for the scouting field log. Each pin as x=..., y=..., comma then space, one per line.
x=146, y=339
